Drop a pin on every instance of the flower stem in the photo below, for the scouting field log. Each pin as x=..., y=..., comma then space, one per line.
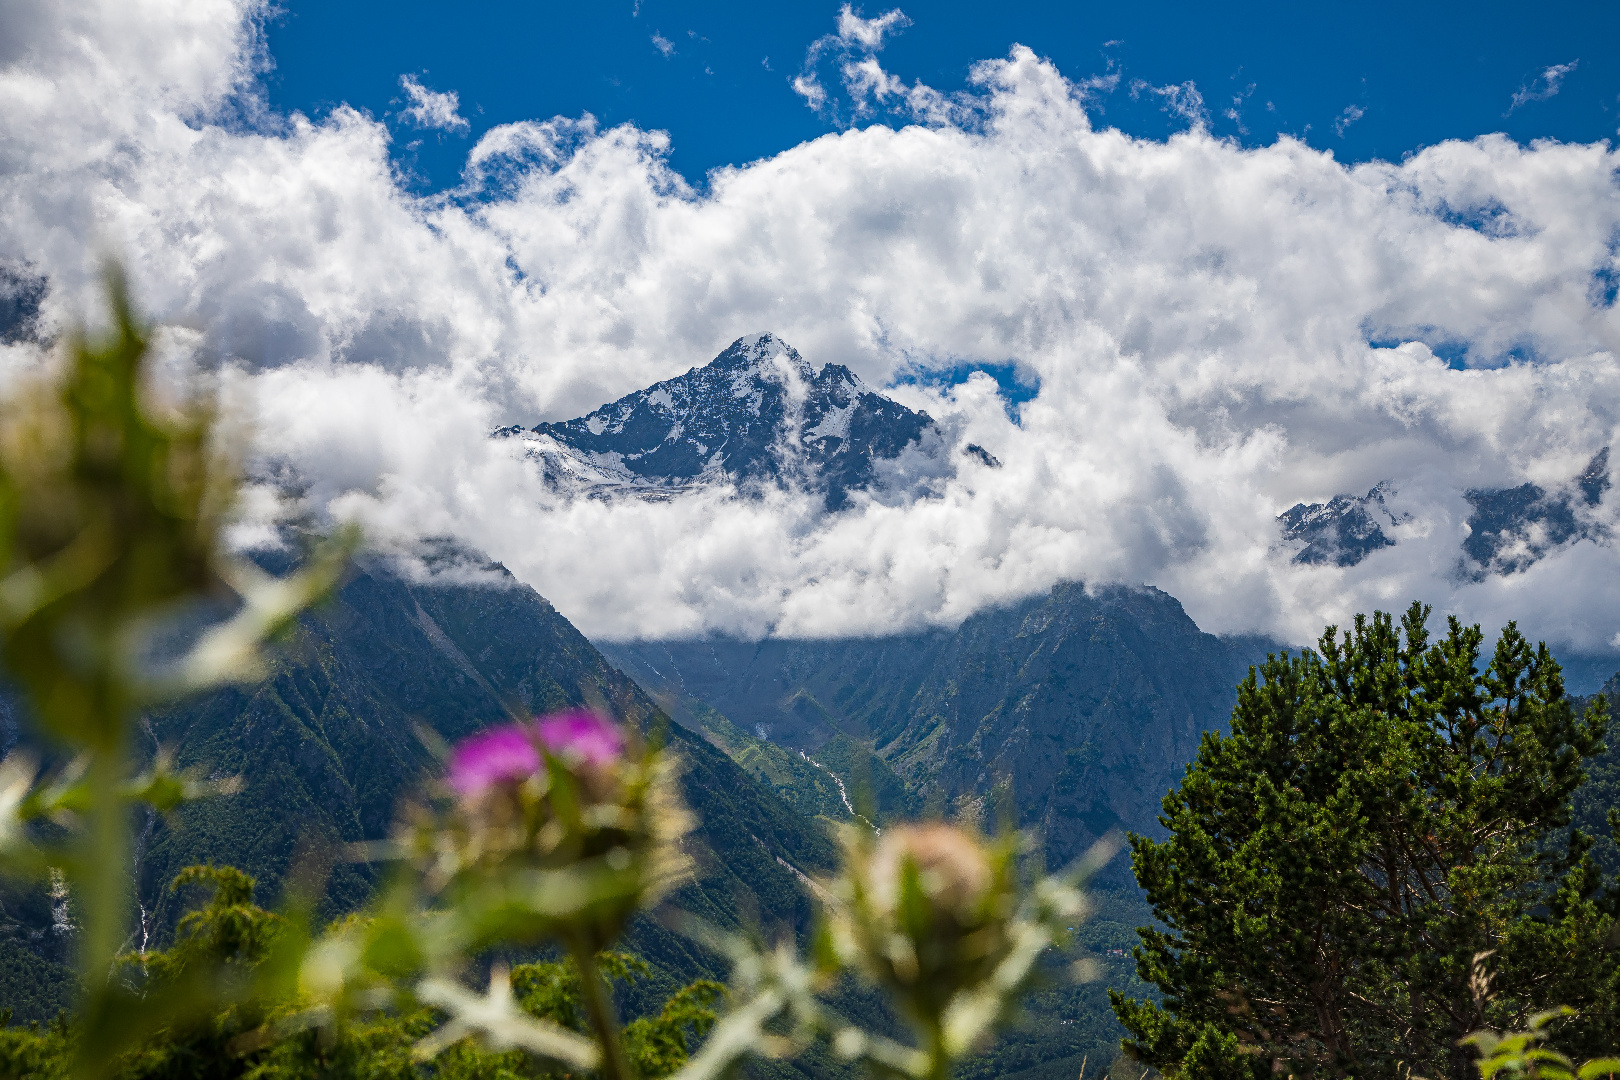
x=939, y=1064
x=103, y=873
x=599, y=1009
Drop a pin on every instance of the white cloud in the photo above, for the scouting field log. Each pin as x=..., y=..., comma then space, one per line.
x=869, y=33
x=663, y=45
x=1183, y=100
x=1218, y=331
x=430, y=109
x=1351, y=114
x=853, y=49
x=1544, y=86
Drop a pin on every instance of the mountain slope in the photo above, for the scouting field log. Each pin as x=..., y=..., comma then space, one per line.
x=756, y=414
x=1088, y=704
x=330, y=741
x=328, y=744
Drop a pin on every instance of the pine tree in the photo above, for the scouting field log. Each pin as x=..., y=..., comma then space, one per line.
x=1344, y=868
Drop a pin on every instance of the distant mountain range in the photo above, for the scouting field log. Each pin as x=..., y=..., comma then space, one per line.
x=1071, y=712
x=759, y=416
x=1088, y=705
x=756, y=415
x=1509, y=529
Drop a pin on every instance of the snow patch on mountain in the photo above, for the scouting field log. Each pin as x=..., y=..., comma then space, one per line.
x=1342, y=531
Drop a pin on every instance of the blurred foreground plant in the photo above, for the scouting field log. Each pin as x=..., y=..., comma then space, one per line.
x=938, y=918
x=552, y=831
x=111, y=523
x=559, y=830
x=1521, y=1054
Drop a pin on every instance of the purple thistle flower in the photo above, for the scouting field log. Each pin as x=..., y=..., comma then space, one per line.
x=582, y=734
x=512, y=753
x=492, y=757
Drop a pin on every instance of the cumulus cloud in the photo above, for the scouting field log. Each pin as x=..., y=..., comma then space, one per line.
x=430, y=109
x=663, y=45
x=1544, y=86
x=1216, y=332
x=1351, y=114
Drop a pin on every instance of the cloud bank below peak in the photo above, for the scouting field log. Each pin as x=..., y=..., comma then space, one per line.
x=1217, y=333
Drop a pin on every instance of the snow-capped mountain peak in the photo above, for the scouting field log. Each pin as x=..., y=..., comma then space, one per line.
x=756, y=414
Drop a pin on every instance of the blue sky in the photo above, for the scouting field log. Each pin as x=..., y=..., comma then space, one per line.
x=1364, y=80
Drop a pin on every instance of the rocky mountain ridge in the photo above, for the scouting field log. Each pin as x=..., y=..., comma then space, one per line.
x=758, y=414
x=1509, y=529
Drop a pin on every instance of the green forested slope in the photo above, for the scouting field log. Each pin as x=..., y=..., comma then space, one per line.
x=329, y=743
x=839, y=776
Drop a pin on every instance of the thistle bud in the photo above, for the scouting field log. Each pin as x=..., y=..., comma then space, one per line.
x=925, y=911
x=953, y=870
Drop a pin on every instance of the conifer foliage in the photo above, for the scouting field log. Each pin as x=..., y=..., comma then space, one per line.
x=1373, y=863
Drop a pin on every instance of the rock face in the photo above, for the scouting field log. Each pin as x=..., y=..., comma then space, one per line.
x=1512, y=528
x=21, y=293
x=1087, y=705
x=1508, y=530
x=1340, y=532
x=757, y=414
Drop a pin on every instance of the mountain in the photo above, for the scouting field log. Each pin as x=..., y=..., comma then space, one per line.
x=757, y=414
x=1083, y=706
x=1508, y=528
x=328, y=744
x=1342, y=531
x=1088, y=704
x=21, y=293
x=1512, y=528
